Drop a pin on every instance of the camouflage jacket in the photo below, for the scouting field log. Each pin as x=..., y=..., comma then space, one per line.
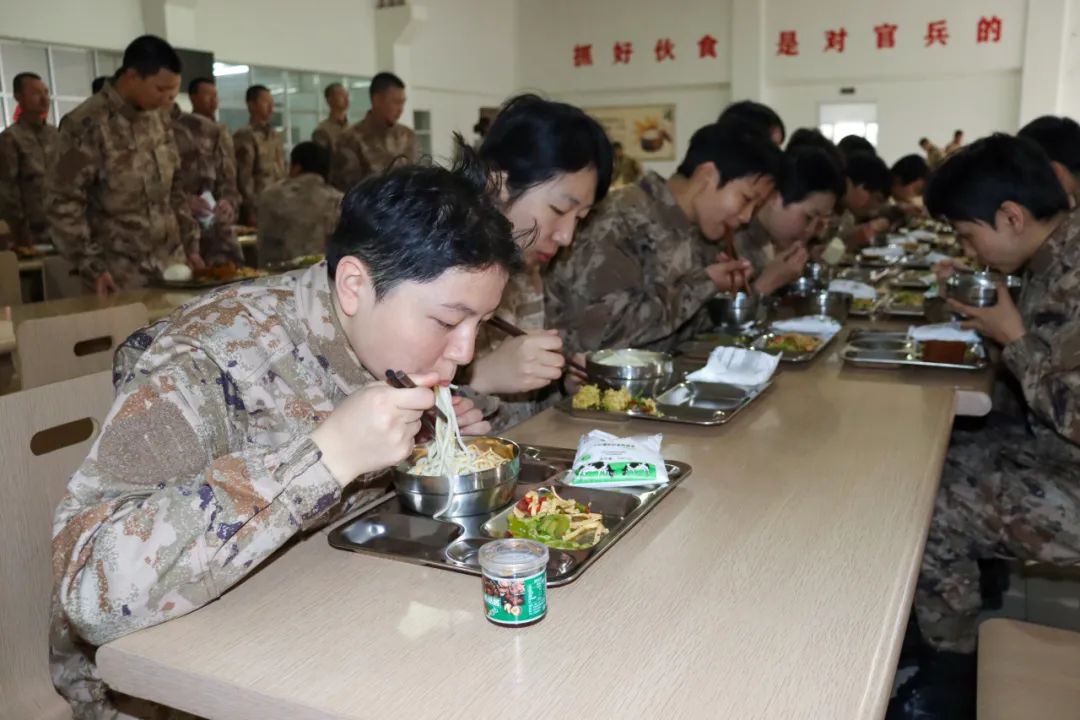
x=296, y=217
x=115, y=199
x=207, y=156
x=635, y=275
x=328, y=131
x=368, y=148
x=522, y=305
x=1046, y=361
x=27, y=155
x=627, y=171
x=260, y=162
x=753, y=243
x=204, y=466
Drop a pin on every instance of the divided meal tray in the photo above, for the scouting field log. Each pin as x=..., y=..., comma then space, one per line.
x=795, y=357
x=686, y=402
x=388, y=530
x=890, y=349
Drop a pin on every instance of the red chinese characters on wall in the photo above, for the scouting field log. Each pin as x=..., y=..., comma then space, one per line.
x=707, y=46
x=886, y=35
x=788, y=44
x=582, y=55
x=937, y=33
x=623, y=51
x=665, y=50
x=835, y=40
x=988, y=30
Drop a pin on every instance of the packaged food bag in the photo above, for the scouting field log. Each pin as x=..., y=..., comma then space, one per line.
x=606, y=460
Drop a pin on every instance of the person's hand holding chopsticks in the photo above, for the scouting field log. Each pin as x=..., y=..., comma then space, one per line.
x=730, y=275
x=520, y=364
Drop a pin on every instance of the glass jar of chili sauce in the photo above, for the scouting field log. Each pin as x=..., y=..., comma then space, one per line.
x=514, y=574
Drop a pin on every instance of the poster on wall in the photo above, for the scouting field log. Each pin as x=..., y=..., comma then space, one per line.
x=647, y=132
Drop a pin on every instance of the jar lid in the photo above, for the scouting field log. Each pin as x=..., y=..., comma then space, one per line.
x=513, y=556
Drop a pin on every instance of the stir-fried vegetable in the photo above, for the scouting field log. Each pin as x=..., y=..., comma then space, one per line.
x=555, y=521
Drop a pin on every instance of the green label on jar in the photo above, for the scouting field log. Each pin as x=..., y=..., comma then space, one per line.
x=515, y=601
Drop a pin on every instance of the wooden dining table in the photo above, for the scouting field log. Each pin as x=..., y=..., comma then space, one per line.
x=774, y=582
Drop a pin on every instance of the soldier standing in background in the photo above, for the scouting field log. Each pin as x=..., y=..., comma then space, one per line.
x=260, y=151
x=208, y=165
x=376, y=142
x=27, y=154
x=117, y=211
x=328, y=131
x=298, y=215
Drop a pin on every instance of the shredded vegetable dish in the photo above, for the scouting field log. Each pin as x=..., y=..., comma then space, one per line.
x=557, y=522
x=792, y=343
x=590, y=397
x=863, y=304
x=908, y=299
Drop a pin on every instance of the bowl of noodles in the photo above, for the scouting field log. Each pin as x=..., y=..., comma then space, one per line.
x=455, y=476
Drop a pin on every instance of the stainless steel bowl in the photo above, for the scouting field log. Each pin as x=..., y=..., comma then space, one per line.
x=974, y=289
x=802, y=286
x=1015, y=285
x=820, y=273
x=460, y=495
x=734, y=309
x=836, y=305
x=647, y=377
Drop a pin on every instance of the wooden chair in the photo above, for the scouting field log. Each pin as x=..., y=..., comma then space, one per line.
x=45, y=434
x=10, y=284
x=67, y=346
x=1027, y=671
x=62, y=280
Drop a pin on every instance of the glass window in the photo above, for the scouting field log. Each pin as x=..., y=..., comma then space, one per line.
x=422, y=128
x=73, y=71
x=17, y=58
x=63, y=107
x=359, y=100
x=233, y=118
x=106, y=63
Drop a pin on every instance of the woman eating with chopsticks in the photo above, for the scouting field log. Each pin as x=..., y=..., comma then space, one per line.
x=257, y=411
x=550, y=164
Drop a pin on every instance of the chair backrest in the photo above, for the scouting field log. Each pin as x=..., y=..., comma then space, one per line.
x=62, y=280
x=45, y=434
x=10, y=285
x=68, y=346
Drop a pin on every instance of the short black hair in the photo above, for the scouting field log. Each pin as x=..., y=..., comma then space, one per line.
x=812, y=137
x=736, y=151
x=331, y=88
x=253, y=92
x=384, y=81
x=754, y=115
x=193, y=86
x=534, y=140
x=311, y=157
x=97, y=83
x=855, y=144
x=1059, y=137
x=909, y=169
x=974, y=181
x=957, y=132
x=148, y=55
x=415, y=222
x=809, y=170
x=868, y=171
x=923, y=140
x=17, y=82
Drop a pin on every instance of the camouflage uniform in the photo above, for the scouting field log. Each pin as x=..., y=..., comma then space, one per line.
x=27, y=155
x=204, y=466
x=1011, y=491
x=208, y=162
x=328, y=131
x=296, y=217
x=115, y=199
x=627, y=171
x=522, y=305
x=635, y=275
x=369, y=147
x=753, y=243
x=260, y=162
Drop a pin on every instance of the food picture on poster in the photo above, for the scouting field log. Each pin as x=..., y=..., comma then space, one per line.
x=647, y=132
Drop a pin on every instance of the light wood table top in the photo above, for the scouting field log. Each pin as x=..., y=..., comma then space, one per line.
x=775, y=582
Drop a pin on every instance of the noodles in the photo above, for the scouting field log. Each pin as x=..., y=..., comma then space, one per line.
x=447, y=453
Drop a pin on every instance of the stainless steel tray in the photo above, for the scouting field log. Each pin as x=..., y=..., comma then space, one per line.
x=887, y=349
x=909, y=280
x=889, y=307
x=388, y=530
x=700, y=347
x=762, y=341
x=686, y=403
x=869, y=312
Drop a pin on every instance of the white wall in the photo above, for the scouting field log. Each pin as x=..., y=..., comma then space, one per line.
x=461, y=59
x=548, y=30
x=105, y=24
